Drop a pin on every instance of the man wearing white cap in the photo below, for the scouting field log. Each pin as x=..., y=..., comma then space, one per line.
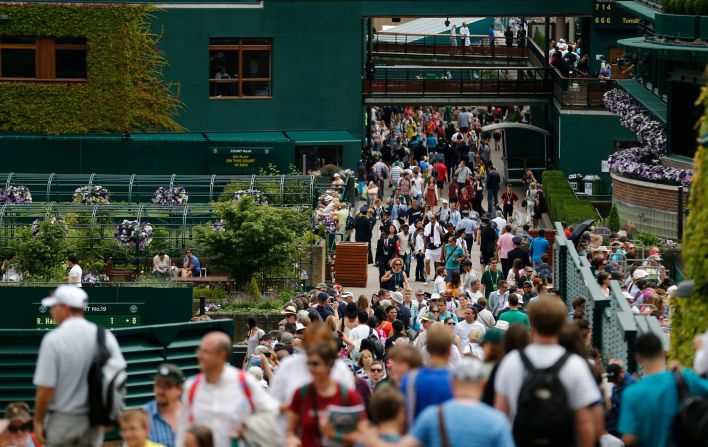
x=65, y=355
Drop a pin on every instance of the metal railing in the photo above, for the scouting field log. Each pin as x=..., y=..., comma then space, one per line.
x=455, y=81
x=581, y=92
x=442, y=45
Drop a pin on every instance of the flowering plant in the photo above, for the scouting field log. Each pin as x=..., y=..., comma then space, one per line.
x=36, y=230
x=175, y=195
x=347, y=173
x=325, y=224
x=16, y=194
x=218, y=225
x=92, y=195
x=644, y=161
x=131, y=230
x=259, y=197
x=90, y=278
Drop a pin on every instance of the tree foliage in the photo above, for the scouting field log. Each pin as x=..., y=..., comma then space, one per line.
x=42, y=255
x=613, y=220
x=255, y=238
x=690, y=316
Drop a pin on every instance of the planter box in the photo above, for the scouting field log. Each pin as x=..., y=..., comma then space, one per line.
x=676, y=26
x=703, y=27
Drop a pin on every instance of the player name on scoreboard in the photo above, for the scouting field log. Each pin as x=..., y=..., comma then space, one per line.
x=108, y=315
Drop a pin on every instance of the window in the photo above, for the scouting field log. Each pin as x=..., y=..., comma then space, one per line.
x=43, y=58
x=240, y=67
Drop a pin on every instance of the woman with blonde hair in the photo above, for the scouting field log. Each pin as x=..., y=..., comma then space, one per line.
x=531, y=200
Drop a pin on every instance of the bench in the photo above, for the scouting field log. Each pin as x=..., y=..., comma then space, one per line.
x=119, y=275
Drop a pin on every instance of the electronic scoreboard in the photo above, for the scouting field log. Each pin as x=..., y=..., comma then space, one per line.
x=107, y=315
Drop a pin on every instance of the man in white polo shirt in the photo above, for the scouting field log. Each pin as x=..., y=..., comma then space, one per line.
x=65, y=355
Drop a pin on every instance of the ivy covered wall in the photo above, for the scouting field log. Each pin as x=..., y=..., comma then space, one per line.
x=124, y=90
x=691, y=314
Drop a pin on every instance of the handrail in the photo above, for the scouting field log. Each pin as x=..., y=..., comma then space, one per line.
x=471, y=36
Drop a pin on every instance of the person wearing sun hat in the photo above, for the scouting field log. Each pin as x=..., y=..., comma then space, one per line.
x=19, y=429
x=65, y=355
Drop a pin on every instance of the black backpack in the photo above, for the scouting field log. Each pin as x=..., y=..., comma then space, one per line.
x=376, y=342
x=106, y=384
x=543, y=416
x=349, y=226
x=690, y=425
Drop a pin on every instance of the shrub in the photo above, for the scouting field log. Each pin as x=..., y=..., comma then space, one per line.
x=562, y=203
x=689, y=7
x=43, y=255
x=701, y=7
x=613, y=220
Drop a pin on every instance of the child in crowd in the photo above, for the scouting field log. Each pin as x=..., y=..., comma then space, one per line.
x=198, y=437
x=387, y=411
x=134, y=429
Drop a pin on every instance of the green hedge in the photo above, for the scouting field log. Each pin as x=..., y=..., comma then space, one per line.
x=562, y=203
x=690, y=316
x=124, y=90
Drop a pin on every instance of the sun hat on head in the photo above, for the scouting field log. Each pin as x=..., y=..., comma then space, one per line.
x=639, y=274
x=289, y=310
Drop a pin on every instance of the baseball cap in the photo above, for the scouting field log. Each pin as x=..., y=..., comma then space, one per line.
x=346, y=295
x=425, y=317
x=654, y=257
x=71, y=296
x=516, y=240
x=468, y=370
x=435, y=296
x=18, y=411
x=321, y=286
x=639, y=274
x=299, y=327
x=170, y=372
x=527, y=284
x=322, y=296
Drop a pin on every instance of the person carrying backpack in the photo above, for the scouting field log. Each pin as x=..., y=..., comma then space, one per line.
x=546, y=392
x=665, y=408
x=65, y=414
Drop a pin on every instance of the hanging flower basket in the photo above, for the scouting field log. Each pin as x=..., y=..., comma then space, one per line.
x=644, y=161
x=15, y=195
x=258, y=196
x=36, y=230
x=176, y=195
x=92, y=195
x=131, y=231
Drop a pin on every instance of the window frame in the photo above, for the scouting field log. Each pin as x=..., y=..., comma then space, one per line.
x=45, y=49
x=239, y=80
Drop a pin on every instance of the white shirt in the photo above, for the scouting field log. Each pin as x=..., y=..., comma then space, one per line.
x=475, y=350
x=419, y=244
x=65, y=356
x=416, y=186
x=293, y=375
x=463, y=329
x=500, y=221
x=453, y=359
x=222, y=406
x=77, y=273
x=575, y=376
x=404, y=243
x=465, y=32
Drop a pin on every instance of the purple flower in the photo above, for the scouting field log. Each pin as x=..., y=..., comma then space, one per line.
x=643, y=161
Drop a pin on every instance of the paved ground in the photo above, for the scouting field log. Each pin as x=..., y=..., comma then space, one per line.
x=373, y=271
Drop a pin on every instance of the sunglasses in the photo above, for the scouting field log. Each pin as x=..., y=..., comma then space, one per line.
x=376, y=370
x=19, y=428
x=435, y=311
x=451, y=324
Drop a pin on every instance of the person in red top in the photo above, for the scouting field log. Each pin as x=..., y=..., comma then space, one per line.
x=309, y=403
x=508, y=200
x=441, y=169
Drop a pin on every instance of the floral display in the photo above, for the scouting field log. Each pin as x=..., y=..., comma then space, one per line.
x=90, y=278
x=175, y=195
x=257, y=195
x=218, y=225
x=644, y=161
x=347, y=173
x=130, y=231
x=325, y=224
x=15, y=195
x=211, y=307
x=36, y=230
x=92, y=195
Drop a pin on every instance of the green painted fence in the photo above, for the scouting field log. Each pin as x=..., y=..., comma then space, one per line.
x=614, y=326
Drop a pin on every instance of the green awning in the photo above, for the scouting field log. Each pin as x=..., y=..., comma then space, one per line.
x=167, y=136
x=92, y=137
x=669, y=50
x=269, y=137
x=647, y=99
x=321, y=136
x=638, y=9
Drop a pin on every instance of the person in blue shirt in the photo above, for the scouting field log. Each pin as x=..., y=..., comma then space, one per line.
x=465, y=420
x=621, y=379
x=164, y=410
x=431, y=142
x=539, y=246
x=190, y=265
x=432, y=384
x=650, y=405
x=491, y=36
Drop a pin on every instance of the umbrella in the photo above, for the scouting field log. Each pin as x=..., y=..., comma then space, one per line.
x=579, y=230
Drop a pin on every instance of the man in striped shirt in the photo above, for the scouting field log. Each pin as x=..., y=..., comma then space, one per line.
x=164, y=411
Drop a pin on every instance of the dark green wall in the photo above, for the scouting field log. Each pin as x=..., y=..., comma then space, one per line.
x=583, y=139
